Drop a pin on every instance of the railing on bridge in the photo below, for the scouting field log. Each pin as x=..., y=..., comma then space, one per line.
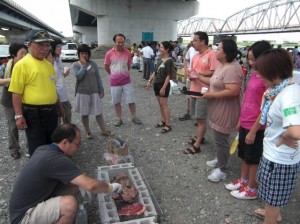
x=274, y=16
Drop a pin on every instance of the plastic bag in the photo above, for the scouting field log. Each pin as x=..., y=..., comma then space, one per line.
x=117, y=146
x=113, y=159
x=234, y=144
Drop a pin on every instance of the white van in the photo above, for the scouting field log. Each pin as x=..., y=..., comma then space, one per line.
x=69, y=52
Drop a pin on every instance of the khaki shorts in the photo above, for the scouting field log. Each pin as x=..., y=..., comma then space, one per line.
x=126, y=91
x=199, y=108
x=48, y=211
x=44, y=213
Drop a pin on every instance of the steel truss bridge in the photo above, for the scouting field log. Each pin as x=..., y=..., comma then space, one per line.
x=273, y=16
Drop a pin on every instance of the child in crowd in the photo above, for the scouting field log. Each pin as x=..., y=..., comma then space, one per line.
x=135, y=61
x=251, y=132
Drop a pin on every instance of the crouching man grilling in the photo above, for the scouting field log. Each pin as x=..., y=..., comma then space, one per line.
x=46, y=189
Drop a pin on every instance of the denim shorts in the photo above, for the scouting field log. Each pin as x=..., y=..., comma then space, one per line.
x=276, y=182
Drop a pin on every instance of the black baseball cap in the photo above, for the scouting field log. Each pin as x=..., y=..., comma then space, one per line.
x=38, y=36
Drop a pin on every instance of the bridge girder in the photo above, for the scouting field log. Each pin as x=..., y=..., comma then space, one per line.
x=274, y=16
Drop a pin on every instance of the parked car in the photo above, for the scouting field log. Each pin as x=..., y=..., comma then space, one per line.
x=69, y=52
x=4, y=57
x=4, y=54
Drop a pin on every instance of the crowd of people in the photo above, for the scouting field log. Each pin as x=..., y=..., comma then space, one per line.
x=263, y=107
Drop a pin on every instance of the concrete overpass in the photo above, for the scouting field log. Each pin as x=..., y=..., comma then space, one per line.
x=99, y=20
x=16, y=22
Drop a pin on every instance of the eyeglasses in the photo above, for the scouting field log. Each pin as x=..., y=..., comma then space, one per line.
x=77, y=144
x=196, y=40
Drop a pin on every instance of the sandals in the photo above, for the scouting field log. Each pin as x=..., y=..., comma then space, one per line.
x=15, y=155
x=192, y=150
x=192, y=140
x=165, y=129
x=260, y=213
x=160, y=124
x=107, y=134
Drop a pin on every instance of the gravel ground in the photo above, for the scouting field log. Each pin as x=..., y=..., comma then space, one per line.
x=179, y=182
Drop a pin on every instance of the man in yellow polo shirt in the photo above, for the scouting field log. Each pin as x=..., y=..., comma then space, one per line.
x=34, y=94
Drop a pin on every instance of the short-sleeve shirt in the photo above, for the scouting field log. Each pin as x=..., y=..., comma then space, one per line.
x=284, y=112
x=60, y=80
x=163, y=69
x=35, y=80
x=118, y=63
x=202, y=63
x=224, y=113
x=252, y=101
x=45, y=173
x=189, y=55
x=147, y=52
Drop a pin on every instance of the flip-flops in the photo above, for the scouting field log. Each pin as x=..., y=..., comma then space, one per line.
x=260, y=213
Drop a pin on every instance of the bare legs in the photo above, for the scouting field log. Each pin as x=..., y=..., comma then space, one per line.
x=201, y=129
x=248, y=172
x=118, y=109
x=272, y=214
x=132, y=108
x=164, y=109
x=100, y=122
x=68, y=209
x=85, y=122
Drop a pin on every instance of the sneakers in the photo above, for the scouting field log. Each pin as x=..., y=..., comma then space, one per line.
x=118, y=123
x=244, y=193
x=216, y=175
x=235, y=185
x=185, y=117
x=88, y=135
x=136, y=120
x=212, y=163
x=107, y=134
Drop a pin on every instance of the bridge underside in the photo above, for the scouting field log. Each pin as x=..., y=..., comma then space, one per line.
x=153, y=20
x=16, y=22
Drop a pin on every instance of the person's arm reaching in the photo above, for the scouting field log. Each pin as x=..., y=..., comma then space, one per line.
x=95, y=186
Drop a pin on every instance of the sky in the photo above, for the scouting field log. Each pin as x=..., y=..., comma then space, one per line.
x=56, y=14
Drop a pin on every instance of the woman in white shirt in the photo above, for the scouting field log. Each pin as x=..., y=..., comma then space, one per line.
x=280, y=165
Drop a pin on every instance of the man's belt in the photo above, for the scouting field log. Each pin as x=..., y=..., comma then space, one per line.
x=39, y=107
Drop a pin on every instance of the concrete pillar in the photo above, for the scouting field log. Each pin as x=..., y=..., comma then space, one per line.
x=87, y=35
x=137, y=18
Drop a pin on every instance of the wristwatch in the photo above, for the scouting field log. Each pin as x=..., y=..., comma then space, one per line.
x=18, y=116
